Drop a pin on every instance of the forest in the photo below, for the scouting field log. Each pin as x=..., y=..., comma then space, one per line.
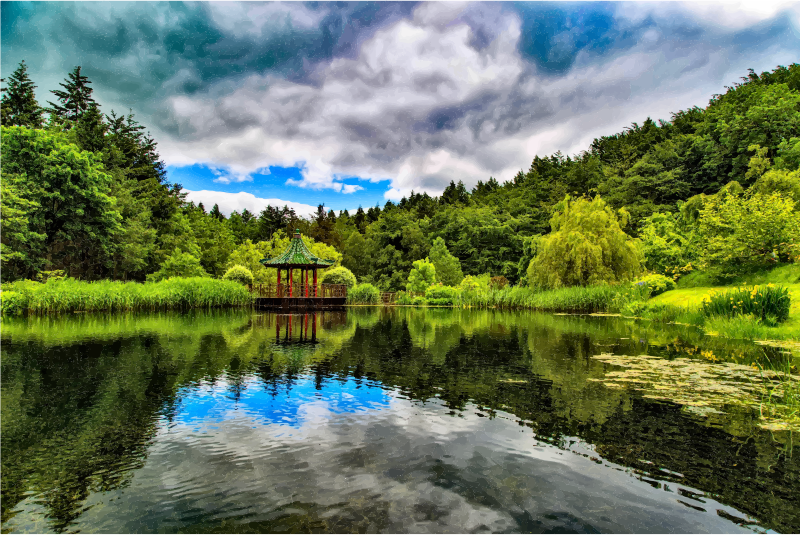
x=85, y=194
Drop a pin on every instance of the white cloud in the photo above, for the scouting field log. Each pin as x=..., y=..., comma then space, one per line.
x=421, y=105
x=228, y=202
x=730, y=14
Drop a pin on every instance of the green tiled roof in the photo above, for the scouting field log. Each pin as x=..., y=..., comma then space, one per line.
x=297, y=254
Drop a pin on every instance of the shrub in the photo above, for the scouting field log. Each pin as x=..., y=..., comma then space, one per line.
x=739, y=232
x=12, y=303
x=363, y=294
x=339, y=275
x=403, y=298
x=419, y=301
x=422, y=276
x=768, y=303
x=179, y=264
x=438, y=295
x=448, y=267
x=239, y=274
x=657, y=284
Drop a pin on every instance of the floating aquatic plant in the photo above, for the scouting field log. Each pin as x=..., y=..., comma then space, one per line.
x=707, y=388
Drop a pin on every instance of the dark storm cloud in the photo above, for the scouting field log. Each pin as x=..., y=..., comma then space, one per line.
x=157, y=41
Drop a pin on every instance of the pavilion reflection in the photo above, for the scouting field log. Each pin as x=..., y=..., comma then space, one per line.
x=301, y=327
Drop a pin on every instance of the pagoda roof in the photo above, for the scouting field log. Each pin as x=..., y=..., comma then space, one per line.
x=297, y=255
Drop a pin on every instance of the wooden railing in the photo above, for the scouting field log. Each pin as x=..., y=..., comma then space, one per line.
x=299, y=290
x=387, y=298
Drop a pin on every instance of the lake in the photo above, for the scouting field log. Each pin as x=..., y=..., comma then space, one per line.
x=373, y=420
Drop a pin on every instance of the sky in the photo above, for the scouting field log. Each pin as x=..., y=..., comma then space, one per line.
x=355, y=104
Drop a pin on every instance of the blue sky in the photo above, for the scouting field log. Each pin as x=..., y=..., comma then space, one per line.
x=352, y=104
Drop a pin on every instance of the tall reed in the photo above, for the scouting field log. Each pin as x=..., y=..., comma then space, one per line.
x=70, y=295
x=575, y=299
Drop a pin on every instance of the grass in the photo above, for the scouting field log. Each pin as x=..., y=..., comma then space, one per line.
x=588, y=299
x=363, y=294
x=70, y=295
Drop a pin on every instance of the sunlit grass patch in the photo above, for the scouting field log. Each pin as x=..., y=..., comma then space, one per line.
x=707, y=387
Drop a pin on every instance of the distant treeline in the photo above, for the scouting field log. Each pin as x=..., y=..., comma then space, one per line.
x=86, y=192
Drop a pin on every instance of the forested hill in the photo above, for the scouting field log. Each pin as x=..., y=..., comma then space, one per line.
x=650, y=167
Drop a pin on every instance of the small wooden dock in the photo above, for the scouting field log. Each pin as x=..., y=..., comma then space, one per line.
x=300, y=296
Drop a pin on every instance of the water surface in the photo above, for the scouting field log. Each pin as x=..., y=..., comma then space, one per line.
x=391, y=420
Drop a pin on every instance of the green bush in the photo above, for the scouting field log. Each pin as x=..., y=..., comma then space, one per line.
x=419, y=301
x=12, y=303
x=403, y=298
x=339, y=275
x=239, y=274
x=179, y=264
x=442, y=295
x=422, y=276
x=657, y=284
x=363, y=294
x=769, y=303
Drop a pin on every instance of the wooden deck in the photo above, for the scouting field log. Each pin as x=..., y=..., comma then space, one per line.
x=300, y=296
x=300, y=303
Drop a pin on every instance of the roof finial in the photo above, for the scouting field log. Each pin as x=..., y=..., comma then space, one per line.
x=297, y=233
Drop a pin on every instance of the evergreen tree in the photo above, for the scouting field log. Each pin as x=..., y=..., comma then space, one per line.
x=75, y=99
x=19, y=106
x=216, y=214
x=90, y=130
x=360, y=219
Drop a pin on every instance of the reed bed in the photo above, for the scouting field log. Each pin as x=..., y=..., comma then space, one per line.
x=363, y=294
x=70, y=295
x=589, y=299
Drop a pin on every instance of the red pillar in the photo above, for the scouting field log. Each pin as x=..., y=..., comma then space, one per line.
x=306, y=285
x=315, y=282
x=290, y=287
x=278, y=287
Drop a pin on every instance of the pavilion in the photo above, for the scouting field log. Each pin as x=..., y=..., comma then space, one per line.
x=291, y=294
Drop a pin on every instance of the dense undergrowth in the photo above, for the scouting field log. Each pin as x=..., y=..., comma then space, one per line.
x=70, y=295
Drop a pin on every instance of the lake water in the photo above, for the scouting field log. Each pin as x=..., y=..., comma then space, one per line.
x=371, y=420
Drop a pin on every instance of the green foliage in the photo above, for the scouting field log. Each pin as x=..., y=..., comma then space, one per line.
x=422, y=276
x=770, y=303
x=239, y=274
x=363, y=294
x=339, y=275
x=403, y=298
x=12, y=303
x=22, y=246
x=745, y=231
x=179, y=264
x=448, y=267
x=530, y=248
x=656, y=284
x=664, y=244
x=440, y=295
x=587, y=247
x=70, y=295
x=249, y=255
x=68, y=201
x=19, y=106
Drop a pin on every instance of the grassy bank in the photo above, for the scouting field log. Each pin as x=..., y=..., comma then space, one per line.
x=589, y=299
x=70, y=295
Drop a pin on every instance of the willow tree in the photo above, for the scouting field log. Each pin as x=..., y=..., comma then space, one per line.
x=586, y=246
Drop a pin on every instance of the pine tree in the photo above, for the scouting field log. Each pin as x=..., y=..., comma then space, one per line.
x=75, y=100
x=216, y=214
x=91, y=129
x=19, y=106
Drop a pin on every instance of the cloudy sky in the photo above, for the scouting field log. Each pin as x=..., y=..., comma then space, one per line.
x=353, y=104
